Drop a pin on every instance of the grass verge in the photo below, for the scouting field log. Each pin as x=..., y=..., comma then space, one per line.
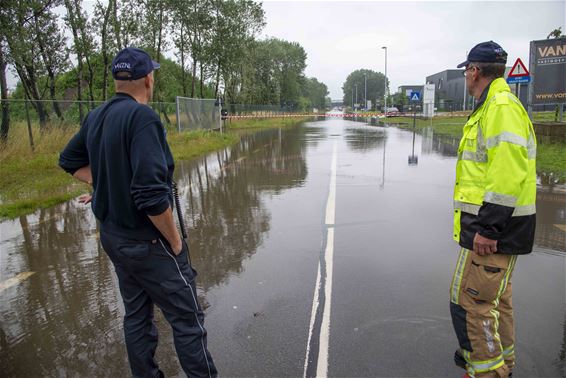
x=551, y=157
x=32, y=179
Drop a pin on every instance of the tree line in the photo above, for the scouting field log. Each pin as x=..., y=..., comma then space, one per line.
x=362, y=85
x=206, y=48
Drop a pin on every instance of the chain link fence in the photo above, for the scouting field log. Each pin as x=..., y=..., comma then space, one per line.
x=67, y=112
x=197, y=114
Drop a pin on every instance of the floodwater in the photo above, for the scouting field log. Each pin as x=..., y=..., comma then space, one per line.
x=329, y=212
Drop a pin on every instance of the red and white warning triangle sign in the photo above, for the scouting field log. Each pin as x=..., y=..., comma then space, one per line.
x=518, y=69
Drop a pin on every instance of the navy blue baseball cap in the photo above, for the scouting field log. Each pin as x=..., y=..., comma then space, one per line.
x=135, y=62
x=486, y=52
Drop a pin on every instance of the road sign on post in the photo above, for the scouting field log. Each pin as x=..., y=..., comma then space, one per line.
x=415, y=96
x=518, y=69
x=519, y=73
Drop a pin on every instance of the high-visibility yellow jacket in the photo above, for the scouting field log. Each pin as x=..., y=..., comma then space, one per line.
x=495, y=188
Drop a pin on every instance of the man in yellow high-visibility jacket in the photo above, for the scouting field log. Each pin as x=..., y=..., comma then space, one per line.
x=494, y=214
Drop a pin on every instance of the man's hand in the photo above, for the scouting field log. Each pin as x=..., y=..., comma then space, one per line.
x=484, y=246
x=166, y=225
x=85, y=198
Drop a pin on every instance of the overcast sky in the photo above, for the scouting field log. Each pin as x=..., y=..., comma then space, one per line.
x=422, y=37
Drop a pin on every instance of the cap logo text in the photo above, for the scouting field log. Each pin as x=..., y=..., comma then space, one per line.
x=123, y=65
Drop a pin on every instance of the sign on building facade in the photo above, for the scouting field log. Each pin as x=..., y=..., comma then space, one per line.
x=548, y=71
x=428, y=100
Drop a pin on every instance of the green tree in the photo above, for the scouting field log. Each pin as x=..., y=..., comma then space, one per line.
x=18, y=22
x=353, y=87
x=556, y=33
x=316, y=92
x=5, y=125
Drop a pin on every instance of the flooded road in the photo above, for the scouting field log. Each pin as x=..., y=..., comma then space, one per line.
x=319, y=249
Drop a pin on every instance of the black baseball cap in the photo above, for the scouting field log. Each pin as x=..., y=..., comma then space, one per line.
x=486, y=52
x=136, y=62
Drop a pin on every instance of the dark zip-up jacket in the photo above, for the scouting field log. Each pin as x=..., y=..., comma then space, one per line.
x=132, y=166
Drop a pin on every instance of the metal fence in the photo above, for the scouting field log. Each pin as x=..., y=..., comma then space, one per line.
x=257, y=110
x=197, y=114
x=67, y=112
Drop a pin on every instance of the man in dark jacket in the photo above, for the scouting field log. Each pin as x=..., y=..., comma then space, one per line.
x=122, y=151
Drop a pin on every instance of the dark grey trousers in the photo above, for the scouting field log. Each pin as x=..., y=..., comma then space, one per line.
x=148, y=272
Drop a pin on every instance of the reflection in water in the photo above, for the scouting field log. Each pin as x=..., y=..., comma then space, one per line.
x=223, y=199
x=413, y=159
x=445, y=145
x=365, y=138
x=551, y=219
x=66, y=318
x=60, y=316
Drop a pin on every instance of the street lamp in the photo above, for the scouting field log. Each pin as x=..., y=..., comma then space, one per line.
x=365, y=90
x=356, y=93
x=385, y=86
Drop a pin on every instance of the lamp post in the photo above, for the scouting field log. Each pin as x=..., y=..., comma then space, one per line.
x=365, y=91
x=385, y=84
x=356, y=93
x=465, y=90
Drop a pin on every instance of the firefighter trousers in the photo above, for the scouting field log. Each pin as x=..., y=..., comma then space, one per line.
x=482, y=312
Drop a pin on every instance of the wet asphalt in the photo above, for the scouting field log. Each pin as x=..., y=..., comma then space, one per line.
x=257, y=230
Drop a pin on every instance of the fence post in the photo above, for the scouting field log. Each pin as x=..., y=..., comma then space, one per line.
x=177, y=113
x=29, y=127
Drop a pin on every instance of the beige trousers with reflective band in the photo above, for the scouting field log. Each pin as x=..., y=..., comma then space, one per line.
x=482, y=287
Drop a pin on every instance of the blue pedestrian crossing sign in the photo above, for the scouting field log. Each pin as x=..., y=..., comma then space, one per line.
x=415, y=96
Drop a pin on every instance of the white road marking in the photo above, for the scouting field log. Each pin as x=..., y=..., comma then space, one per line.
x=322, y=365
x=315, y=304
x=324, y=335
x=15, y=280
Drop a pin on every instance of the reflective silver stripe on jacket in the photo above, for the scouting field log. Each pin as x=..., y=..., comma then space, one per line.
x=521, y=211
x=508, y=137
x=531, y=144
x=500, y=199
x=470, y=208
x=531, y=147
x=474, y=156
x=481, y=147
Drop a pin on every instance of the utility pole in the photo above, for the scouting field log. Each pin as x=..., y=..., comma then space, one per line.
x=385, y=84
x=352, y=99
x=365, y=90
x=465, y=89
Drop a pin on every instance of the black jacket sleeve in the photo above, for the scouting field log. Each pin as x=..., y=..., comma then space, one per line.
x=493, y=219
x=75, y=153
x=149, y=186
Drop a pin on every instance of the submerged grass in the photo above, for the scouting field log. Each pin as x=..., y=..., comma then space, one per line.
x=32, y=179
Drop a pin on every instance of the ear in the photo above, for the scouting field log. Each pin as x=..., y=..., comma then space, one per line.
x=476, y=74
x=147, y=81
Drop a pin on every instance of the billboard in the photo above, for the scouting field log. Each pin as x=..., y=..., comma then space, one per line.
x=548, y=71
